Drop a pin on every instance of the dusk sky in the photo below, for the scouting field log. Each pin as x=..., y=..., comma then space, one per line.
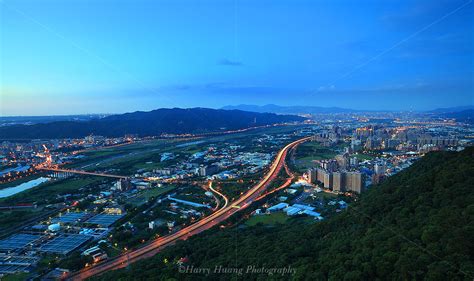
x=73, y=57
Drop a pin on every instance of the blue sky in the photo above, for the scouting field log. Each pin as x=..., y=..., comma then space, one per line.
x=71, y=57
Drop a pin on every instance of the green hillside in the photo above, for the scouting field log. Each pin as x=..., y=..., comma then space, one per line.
x=418, y=225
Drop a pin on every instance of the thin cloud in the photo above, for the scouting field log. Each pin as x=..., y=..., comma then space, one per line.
x=227, y=62
x=326, y=88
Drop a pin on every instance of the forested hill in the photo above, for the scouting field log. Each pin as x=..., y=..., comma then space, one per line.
x=151, y=123
x=418, y=225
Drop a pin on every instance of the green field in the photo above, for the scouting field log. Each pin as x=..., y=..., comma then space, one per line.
x=145, y=195
x=325, y=195
x=275, y=218
x=9, y=219
x=157, y=191
x=15, y=277
x=127, y=159
x=363, y=157
x=110, y=156
x=310, y=151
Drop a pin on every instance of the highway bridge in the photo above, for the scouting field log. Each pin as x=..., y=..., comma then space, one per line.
x=71, y=171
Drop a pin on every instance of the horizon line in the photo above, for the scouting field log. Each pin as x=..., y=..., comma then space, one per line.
x=222, y=108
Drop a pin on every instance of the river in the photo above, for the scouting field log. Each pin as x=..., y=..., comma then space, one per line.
x=9, y=191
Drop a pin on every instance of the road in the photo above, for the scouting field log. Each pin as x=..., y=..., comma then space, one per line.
x=226, y=201
x=213, y=219
x=288, y=181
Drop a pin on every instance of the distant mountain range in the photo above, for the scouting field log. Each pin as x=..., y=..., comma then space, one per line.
x=452, y=109
x=272, y=108
x=152, y=123
x=29, y=120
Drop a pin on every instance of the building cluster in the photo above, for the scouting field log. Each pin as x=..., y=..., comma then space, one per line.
x=224, y=161
x=387, y=146
x=305, y=199
x=295, y=209
x=330, y=136
x=403, y=138
x=338, y=181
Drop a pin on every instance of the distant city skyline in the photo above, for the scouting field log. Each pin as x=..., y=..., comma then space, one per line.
x=60, y=58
